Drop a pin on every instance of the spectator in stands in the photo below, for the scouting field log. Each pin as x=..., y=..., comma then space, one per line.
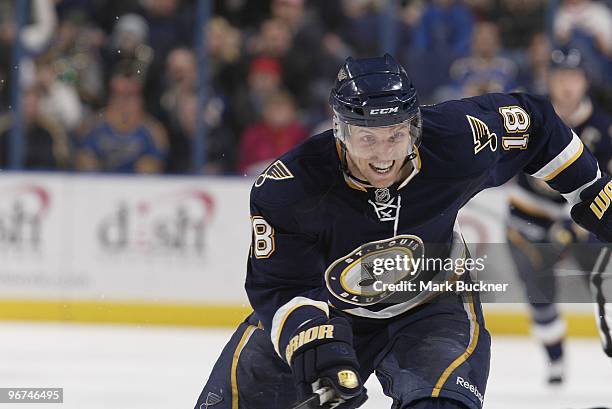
x=220, y=144
x=179, y=103
x=45, y=143
x=485, y=70
x=181, y=78
x=533, y=74
x=40, y=26
x=244, y=14
x=272, y=40
x=35, y=37
x=171, y=24
x=330, y=13
x=587, y=26
x=128, y=41
x=305, y=25
x=291, y=31
x=441, y=34
x=590, y=18
x=276, y=133
x=257, y=48
x=223, y=43
x=124, y=138
x=518, y=21
x=180, y=84
x=76, y=58
x=445, y=28
x=264, y=79
x=481, y=9
x=103, y=13
x=359, y=22
x=59, y=100
x=357, y=34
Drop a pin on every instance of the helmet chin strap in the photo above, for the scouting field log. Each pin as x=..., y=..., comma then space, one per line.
x=416, y=168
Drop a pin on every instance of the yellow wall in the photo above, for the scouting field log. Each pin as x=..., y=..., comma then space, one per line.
x=580, y=324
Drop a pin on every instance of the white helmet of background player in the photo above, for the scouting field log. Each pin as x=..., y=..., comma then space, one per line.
x=377, y=120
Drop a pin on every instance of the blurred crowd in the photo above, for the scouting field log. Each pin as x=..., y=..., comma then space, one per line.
x=113, y=85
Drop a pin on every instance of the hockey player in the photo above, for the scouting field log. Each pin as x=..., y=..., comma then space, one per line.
x=540, y=230
x=388, y=180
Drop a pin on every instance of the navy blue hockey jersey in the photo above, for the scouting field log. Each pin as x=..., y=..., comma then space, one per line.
x=534, y=202
x=316, y=231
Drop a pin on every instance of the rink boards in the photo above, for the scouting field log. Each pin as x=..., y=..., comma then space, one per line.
x=161, y=250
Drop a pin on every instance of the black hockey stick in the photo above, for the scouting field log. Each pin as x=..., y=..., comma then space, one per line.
x=316, y=400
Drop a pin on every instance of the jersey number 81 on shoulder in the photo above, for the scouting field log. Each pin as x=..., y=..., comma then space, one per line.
x=515, y=119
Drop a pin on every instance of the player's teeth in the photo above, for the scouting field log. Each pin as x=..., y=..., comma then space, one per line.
x=382, y=167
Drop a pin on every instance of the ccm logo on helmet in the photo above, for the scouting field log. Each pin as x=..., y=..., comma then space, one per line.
x=382, y=111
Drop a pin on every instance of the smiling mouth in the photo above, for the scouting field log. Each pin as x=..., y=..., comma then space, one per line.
x=382, y=167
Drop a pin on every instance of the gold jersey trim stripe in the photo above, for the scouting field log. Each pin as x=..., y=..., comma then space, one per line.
x=282, y=314
x=475, y=331
x=561, y=168
x=561, y=160
x=234, y=371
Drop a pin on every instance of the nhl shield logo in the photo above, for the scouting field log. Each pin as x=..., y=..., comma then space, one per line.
x=382, y=195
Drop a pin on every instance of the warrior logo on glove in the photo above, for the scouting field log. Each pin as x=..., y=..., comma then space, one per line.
x=602, y=201
x=309, y=335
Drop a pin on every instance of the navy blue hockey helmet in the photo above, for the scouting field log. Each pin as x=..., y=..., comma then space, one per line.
x=568, y=59
x=374, y=92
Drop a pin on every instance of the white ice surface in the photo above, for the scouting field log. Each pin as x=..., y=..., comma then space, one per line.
x=117, y=367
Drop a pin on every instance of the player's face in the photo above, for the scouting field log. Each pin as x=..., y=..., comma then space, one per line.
x=376, y=154
x=567, y=86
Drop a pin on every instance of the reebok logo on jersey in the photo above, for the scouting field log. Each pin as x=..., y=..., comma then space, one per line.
x=383, y=111
x=276, y=171
x=309, y=335
x=471, y=388
x=602, y=201
x=482, y=136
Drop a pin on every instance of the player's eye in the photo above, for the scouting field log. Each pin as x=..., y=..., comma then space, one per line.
x=367, y=139
x=396, y=137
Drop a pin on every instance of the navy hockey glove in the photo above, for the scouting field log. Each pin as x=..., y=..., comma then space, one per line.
x=323, y=356
x=592, y=212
